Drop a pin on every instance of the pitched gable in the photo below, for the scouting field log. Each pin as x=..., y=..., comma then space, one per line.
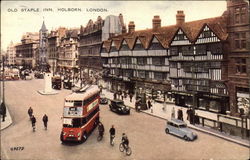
x=207, y=36
x=155, y=44
x=180, y=38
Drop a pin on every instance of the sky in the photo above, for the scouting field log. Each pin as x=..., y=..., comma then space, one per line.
x=16, y=19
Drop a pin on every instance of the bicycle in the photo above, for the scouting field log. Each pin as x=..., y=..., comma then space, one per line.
x=125, y=148
x=100, y=136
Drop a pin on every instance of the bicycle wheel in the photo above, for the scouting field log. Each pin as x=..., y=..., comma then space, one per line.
x=128, y=151
x=99, y=138
x=121, y=148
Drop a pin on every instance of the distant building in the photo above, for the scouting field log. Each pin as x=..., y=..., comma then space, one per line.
x=68, y=53
x=90, y=41
x=11, y=54
x=54, y=40
x=43, y=38
x=27, y=50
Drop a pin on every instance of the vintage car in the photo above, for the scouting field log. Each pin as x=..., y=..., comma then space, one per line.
x=180, y=129
x=39, y=75
x=103, y=99
x=56, y=82
x=119, y=107
x=68, y=84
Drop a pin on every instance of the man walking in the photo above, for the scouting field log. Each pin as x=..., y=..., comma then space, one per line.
x=112, y=135
x=149, y=104
x=45, y=121
x=30, y=112
x=33, y=122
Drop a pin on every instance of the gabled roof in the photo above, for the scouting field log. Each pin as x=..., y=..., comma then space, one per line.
x=107, y=45
x=166, y=34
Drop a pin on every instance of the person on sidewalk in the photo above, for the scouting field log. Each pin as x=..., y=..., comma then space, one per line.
x=115, y=95
x=3, y=111
x=45, y=121
x=173, y=113
x=130, y=96
x=112, y=134
x=180, y=114
x=30, y=112
x=149, y=104
x=33, y=122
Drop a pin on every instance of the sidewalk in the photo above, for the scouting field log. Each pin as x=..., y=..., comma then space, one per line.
x=8, y=120
x=157, y=111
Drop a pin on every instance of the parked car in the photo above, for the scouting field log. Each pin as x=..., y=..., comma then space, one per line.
x=119, y=107
x=56, y=82
x=39, y=75
x=103, y=99
x=68, y=84
x=180, y=129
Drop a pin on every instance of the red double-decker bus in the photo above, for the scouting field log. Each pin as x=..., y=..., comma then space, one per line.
x=80, y=114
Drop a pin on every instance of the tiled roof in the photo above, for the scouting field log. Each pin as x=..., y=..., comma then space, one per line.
x=166, y=34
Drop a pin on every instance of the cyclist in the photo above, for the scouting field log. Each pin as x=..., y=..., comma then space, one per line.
x=101, y=129
x=125, y=141
x=112, y=134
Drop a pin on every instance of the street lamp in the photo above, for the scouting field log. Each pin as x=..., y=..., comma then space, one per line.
x=193, y=106
x=3, y=107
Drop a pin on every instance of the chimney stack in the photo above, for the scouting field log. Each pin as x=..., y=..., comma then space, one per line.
x=131, y=27
x=156, y=22
x=180, y=17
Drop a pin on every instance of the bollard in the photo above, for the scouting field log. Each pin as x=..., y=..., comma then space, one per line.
x=151, y=110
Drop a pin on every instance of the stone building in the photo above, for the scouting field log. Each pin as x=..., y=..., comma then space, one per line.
x=68, y=54
x=203, y=64
x=54, y=40
x=27, y=50
x=239, y=56
x=90, y=41
x=43, y=40
x=11, y=54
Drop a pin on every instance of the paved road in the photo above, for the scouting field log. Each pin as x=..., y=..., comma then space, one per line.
x=146, y=134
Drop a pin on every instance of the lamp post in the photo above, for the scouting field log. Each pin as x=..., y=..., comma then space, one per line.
x=3, y=107
x=194, y=103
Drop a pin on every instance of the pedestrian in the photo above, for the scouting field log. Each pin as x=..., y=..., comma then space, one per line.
x=33, y=122
x=45, y=121
x=3, y=108
x=130, y=96
x=122, y=97
x=196, y=119
x=112, y=134
x=149, y=104
x=188, y=114
x=173, y=113
x=30, y=112
x=180, y=114
x=114, y=95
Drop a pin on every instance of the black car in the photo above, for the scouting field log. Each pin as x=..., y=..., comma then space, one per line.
x=118, y=106
x=56, y=82
x=103, y=99
x=39, y=75
x=67, y=84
